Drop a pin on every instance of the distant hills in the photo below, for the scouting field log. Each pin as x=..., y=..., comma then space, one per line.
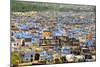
x=23, y=6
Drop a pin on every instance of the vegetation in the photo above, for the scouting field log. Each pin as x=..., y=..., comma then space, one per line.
x=26, y=6
x=23, y=6
x=15, y=57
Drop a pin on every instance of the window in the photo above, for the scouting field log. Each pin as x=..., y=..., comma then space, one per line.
x=31, y=55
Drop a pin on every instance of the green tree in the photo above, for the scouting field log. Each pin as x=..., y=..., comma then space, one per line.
x=15, y=57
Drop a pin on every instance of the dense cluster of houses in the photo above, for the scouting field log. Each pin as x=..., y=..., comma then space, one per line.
x=53, y=37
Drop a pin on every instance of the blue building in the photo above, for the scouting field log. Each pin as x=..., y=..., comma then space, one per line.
x=89, y=43
x=23, y=35
x=28, y=56
x=65, y=50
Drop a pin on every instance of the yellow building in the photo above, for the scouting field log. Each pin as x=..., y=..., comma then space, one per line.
x=46, y=34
